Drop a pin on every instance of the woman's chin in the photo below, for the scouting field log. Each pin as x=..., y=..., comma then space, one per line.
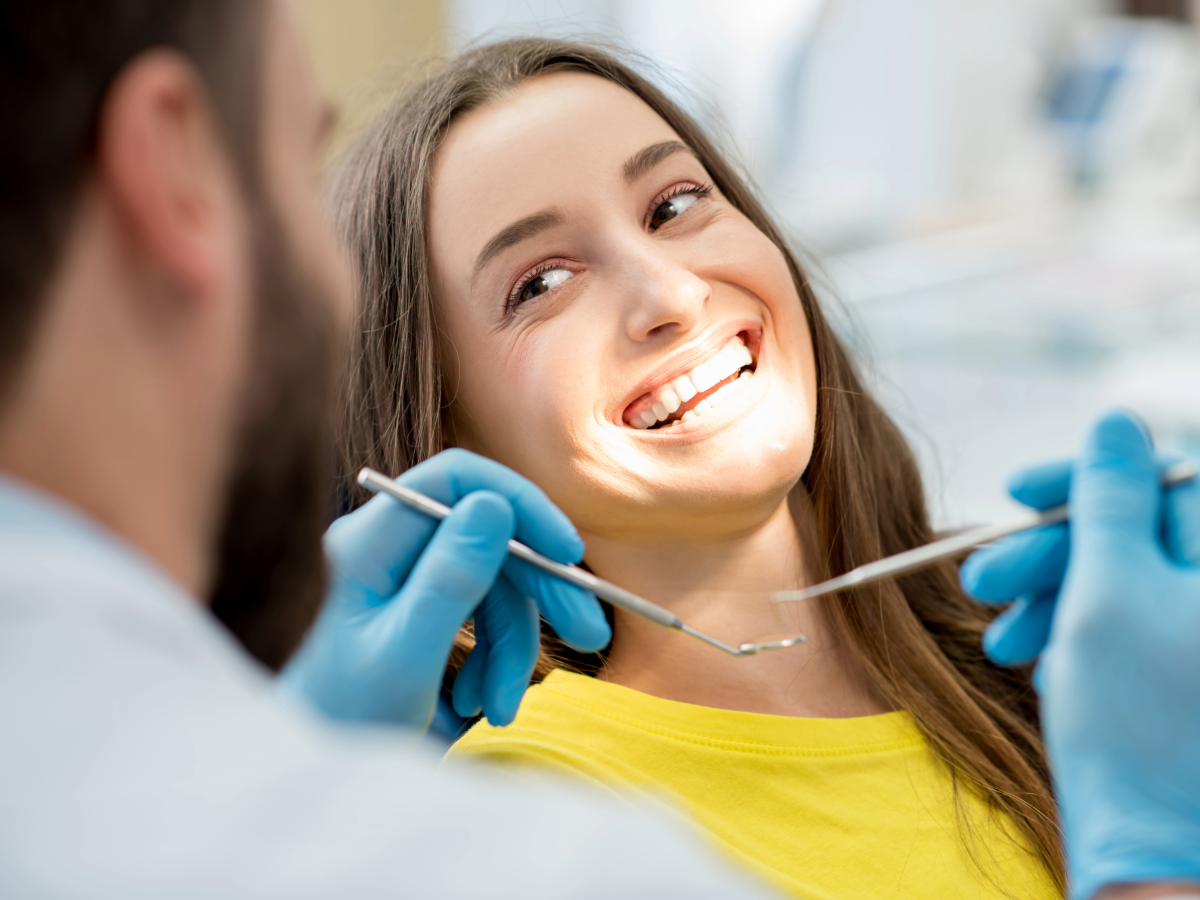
x=724, y=490
x=679, y=514
x=729, y=484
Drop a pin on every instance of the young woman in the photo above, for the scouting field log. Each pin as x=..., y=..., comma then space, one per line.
x=561, y=272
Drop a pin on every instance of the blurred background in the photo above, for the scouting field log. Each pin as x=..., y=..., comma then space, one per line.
x=999, y=199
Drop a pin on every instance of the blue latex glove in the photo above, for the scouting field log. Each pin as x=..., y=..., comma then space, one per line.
x=402, y=585
x=1119, y=677
x=1026, y=570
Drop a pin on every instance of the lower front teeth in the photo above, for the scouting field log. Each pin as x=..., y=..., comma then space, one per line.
x=712, y=402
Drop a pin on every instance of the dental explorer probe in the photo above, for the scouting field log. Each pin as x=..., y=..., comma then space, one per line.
x=922, y=557
x=619, y=597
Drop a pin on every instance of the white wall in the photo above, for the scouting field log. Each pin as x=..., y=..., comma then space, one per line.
x=861, y=120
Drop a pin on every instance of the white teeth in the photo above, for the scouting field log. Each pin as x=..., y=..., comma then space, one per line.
x=638, y=423
x=648, y=418
x=702, y=407
x=670, y=400
x=688, y=416
x=660, y=411
x=724, y=364
x=684, y=389
x=703, y=377
x=719, y=397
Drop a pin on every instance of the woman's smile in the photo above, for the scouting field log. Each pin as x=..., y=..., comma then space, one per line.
x=681, y=401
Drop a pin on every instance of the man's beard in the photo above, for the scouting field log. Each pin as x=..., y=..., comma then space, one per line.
x=270, y=570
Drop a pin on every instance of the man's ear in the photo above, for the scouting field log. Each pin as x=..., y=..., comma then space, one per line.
x=160, y=159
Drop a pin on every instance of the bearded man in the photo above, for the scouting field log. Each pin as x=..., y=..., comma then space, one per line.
x=172, y=311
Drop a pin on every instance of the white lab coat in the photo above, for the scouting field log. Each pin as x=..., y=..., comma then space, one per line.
x=144, y=755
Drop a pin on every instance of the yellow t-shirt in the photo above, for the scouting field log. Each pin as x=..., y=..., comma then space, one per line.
x=822, y=808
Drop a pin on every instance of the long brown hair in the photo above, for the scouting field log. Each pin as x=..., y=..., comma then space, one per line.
x=918, y=638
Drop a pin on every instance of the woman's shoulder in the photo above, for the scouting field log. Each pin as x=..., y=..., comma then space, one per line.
x=560, y=712
x=556, y=728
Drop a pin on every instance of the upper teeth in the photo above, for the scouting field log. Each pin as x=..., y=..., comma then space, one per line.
x=666, y=400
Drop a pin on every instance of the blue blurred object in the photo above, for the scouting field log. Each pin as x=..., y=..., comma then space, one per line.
x=1125, y=98
x=402, y=586
x=1081, y=100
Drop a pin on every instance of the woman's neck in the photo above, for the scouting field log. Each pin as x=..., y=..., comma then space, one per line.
x=723, y=588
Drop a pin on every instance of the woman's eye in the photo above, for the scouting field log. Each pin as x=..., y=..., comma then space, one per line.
x=542, y=283
x=670, y=208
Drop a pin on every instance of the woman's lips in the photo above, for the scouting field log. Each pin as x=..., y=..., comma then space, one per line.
x=694, y=393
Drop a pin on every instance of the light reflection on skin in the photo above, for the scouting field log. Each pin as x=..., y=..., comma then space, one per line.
x=695, y=517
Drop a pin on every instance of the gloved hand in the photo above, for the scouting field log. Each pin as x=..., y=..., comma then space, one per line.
x=1026, y=570
x=401, y=585
x=1119, y=676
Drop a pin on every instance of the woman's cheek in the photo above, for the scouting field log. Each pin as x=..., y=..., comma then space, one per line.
x=521, y=406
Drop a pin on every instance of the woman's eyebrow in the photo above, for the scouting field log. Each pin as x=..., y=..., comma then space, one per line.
x=523, y=229
x=518, y=231
x=649, y=157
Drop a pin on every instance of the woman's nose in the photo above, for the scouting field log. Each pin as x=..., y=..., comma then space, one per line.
x=663, y=298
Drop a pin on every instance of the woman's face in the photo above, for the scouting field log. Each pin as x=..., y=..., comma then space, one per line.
x=590, y=282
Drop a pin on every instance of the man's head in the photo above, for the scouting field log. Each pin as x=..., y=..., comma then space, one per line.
x=170, y=298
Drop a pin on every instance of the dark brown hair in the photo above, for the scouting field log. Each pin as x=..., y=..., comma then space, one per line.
x=58, y=59
x=918, y=638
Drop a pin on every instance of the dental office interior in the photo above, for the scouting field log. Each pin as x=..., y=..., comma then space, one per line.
x=1000, y=199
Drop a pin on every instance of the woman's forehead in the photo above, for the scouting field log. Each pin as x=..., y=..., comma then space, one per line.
x=558, y=135
x=552, y=113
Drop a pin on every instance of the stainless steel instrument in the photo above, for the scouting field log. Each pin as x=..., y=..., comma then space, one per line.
x=619, y=597
x=921, y=557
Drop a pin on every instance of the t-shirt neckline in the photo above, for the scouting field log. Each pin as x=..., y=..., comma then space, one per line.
x=769, y=733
